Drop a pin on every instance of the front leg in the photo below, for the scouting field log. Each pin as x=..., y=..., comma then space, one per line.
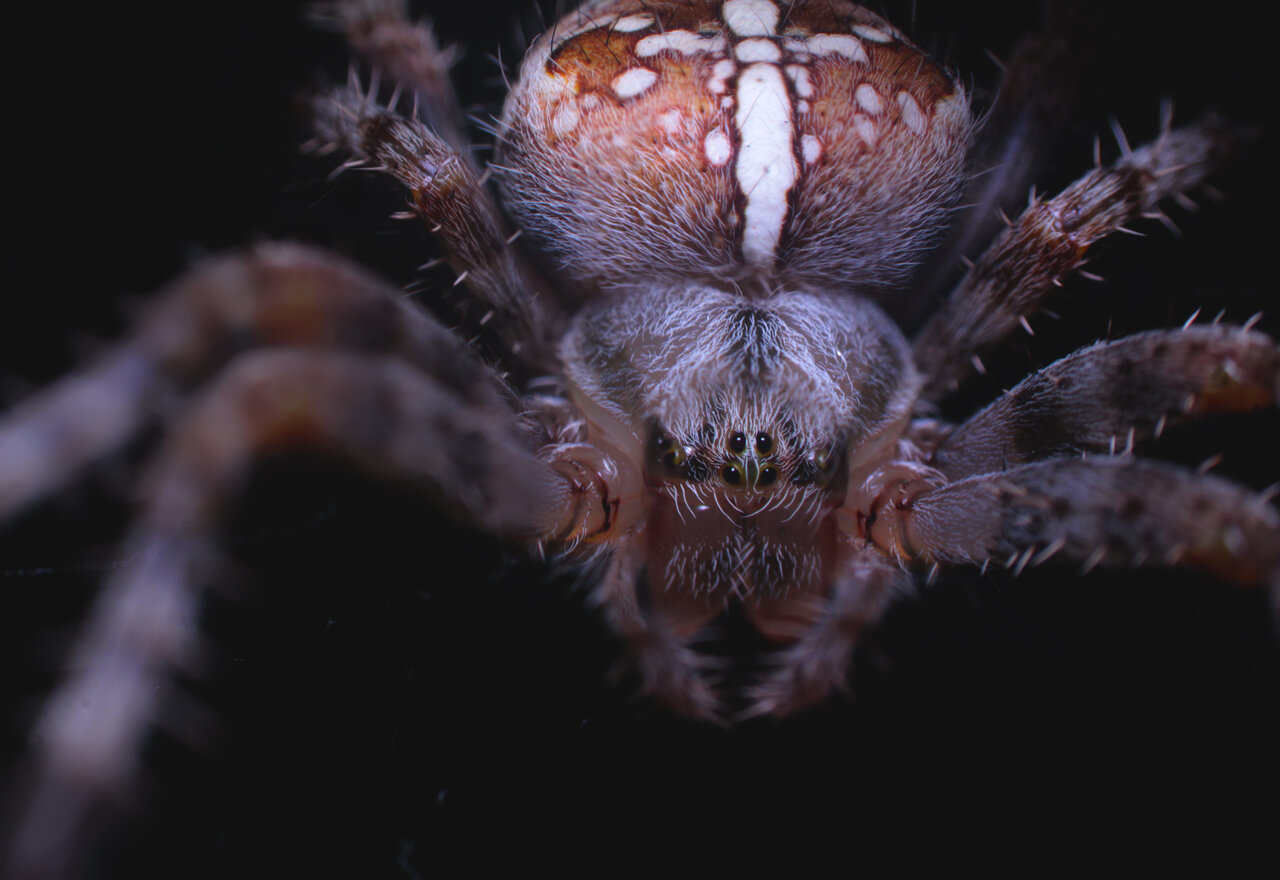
x=377, y=414
x=270, y=296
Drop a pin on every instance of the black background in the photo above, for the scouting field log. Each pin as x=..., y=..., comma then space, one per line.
x=388, y=703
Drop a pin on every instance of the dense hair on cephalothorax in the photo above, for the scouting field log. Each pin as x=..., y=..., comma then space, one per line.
x=814, y=369
x=691, y=395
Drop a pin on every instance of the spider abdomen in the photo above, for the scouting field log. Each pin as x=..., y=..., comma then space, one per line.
x=752, y=139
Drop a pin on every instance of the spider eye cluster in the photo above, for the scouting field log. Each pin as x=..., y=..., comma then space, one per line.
x=737, y=464
x=795, y=142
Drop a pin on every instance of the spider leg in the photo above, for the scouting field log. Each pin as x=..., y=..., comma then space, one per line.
x=670, y=670
x=1100, y=510
x=1109, y=395
x=1050, y=239
x=407, y=54
x=817, y=665
x=450, y=198
x=380, y=415
x=1029, y=110
x=274, y=295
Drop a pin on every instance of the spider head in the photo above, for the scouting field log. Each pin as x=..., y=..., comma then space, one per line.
x=749, y=419
x=747, y=141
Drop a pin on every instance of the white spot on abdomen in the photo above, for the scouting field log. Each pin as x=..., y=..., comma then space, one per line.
x=869, y=99
x=566, y=118
x=837, y=44
x=717, y=147
x=912, y=115
x=875, y=35
x=631, y=23
x=766, y=167
x=749, y=51
x=811, y=148
x=683, y=42
x=633, y=82
x=751, y=18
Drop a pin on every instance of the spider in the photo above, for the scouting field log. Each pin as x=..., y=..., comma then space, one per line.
x=666, y=445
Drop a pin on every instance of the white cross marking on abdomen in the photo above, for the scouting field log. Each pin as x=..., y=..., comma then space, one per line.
x=768, y=163
x=766, y=168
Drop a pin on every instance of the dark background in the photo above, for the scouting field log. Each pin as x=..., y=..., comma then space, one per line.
x=389, y=703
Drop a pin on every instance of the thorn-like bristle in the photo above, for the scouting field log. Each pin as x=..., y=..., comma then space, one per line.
x=1091, y=562
x=1209, y=464
x=1123, y=142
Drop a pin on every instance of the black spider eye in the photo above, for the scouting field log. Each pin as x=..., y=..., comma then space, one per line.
x=732, y=474
x=768, y=474
x=662, y=443
x=737, y=442
x=764, y=443
x=674, y=457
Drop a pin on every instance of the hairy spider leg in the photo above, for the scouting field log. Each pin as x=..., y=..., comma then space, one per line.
x=379, y=414
x=1051, y=239
x=405, y=53
x=1107, y=397
x=447, y=194
x=273, y=295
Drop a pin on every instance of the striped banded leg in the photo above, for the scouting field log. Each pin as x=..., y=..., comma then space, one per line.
x=447, y=194
x=1106, y=397
x=1050, y=239
x=377, y=413
x=1114, y=511
x=406, y=54
x=273, y=295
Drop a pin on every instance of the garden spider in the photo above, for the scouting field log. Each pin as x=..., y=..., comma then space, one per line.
x=705, y=752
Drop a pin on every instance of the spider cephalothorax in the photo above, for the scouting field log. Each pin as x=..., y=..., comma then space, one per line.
x=696, y=379
x=738, y=410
